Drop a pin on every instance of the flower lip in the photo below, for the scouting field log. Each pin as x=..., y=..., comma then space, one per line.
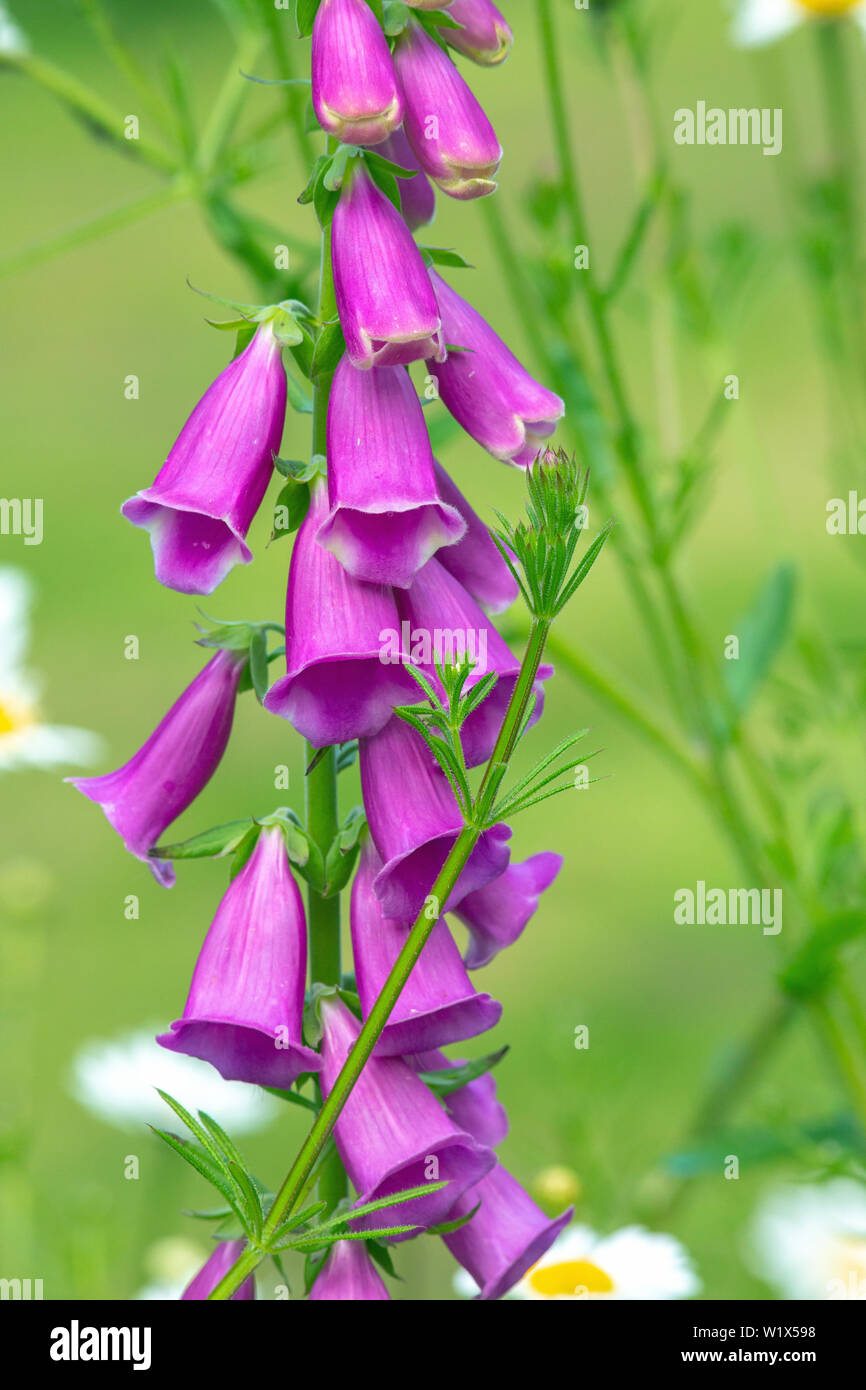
x=354, y=89
x=240, y=1051
x=488, y=390
x=336, y=686
x=385, y=300
x=484, y=36
x=453, y=140
x=529, y=1257
x=461, y=1162
x=386, y=516
x=397, y=883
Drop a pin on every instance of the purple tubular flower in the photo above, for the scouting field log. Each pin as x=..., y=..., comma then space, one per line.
x=176, y=763
x=438, y=1004
x=414, y=820
x=475, y=560
x=445, y=622
x=355, y=93
x=496, y=914
x=205, y=496
x=473, y=1107
x=246, y=1000
x=337, y=686
x=505, y=1236
x=212, y=1271
x=485, y=37
x=452, y=138
x=386, y=516
x=392, y=1133
x=417, y=195
x=349, y=1276
x=487, y=390
x=385, y=300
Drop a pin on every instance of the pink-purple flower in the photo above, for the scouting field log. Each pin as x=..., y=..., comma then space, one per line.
x=487, y=390
x=484, y=35
x=392, y=1134
x=218, y=1264
x=167, y=773
x=438, y=1004
x=453, y=140
x=505, y=1237
x=201, y=505
x=245, y=1005
x=349, y=1276
x=496, y=914
x=388, y=311
x=386, y=517
x=336, y=685
x=415, y=820
x=354, y=89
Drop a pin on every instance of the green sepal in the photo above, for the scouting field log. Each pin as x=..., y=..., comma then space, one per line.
x=305, y=14
x=445, y=255
x=446, y=1228
x=342, y=856
x=330, y=346
x=209, y=844
x=455, y=1078
x=290, y=508
x=395, y=17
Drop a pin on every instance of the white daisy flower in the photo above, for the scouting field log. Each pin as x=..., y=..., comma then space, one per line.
x=809, y=1241
x=629, y=1264
x=13, y=40
x=24, y=740
x=762, y=21
x=117, y=1081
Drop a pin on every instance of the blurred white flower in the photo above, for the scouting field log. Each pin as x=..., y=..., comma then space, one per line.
x=12, y=37
x=809, y=1241
x=116, y=1080
x=629, y=1264
x=171, y=1263
x=24, y=740
x=762, y=21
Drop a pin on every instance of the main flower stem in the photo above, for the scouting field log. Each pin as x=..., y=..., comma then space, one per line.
x=288, y=1195
x=320, y=784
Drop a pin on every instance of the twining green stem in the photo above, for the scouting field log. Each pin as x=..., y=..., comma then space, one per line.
x=440, y=892
x=848, y=1061
x=91, y=230
x=229, y=102
x=629, y=706
x=90, y=107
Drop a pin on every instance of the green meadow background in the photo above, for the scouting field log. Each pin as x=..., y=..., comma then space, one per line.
x=664, y=1004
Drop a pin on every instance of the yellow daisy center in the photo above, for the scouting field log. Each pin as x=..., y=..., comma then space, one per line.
x=829, y=7
x=14, y=715
x=571, y=1278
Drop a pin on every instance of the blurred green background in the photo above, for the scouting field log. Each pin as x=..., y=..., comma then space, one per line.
x=663, y=1003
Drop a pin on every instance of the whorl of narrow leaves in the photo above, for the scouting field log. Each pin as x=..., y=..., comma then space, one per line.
x=540, y=550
